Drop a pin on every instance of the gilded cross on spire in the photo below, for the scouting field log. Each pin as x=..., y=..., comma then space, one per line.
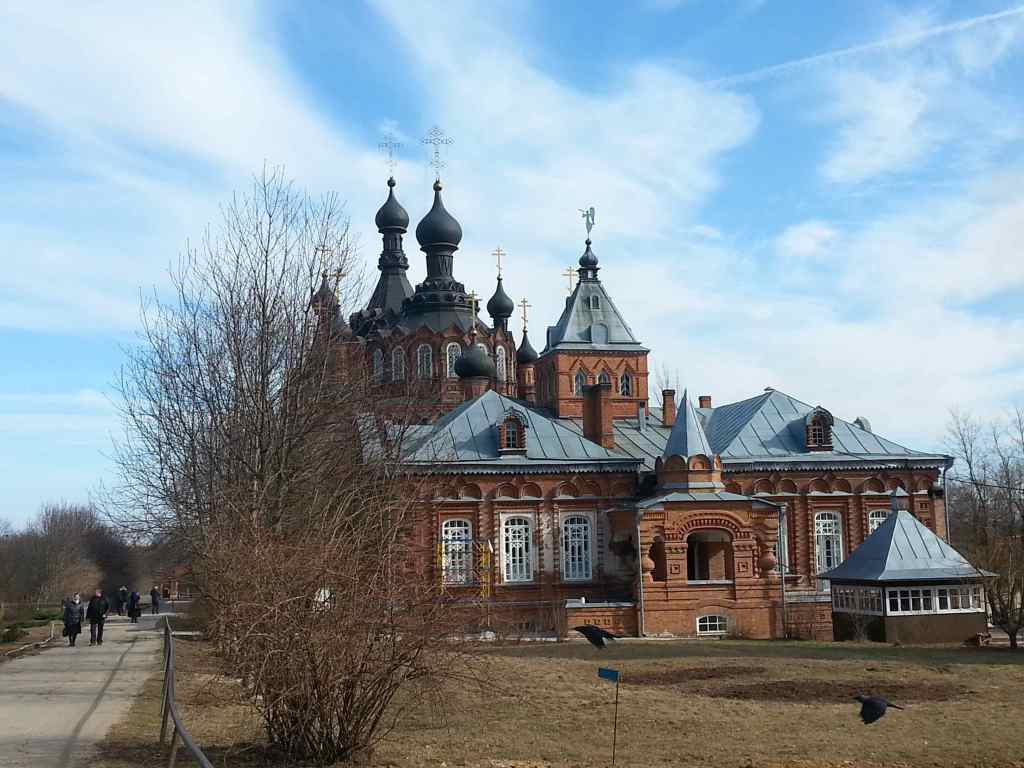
x=389, y=147
x=523, y=306
x=497, y=253
x=437, y=138
x=571, y=274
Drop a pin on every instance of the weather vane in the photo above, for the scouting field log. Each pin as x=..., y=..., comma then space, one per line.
x=524, y=305
x=497, y=253
x=436, y=137
x=389, y=146
x=588, y=218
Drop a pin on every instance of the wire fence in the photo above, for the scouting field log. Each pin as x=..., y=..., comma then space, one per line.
x=169, y=715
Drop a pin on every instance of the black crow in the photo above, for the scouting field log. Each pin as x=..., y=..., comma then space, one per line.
x=595, y=635
x=873, y=707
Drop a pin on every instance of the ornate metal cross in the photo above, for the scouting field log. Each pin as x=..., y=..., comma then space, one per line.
x=571, y=274
x=389, y=146
x=497, y=253
x=524, y=305
x=437, y=138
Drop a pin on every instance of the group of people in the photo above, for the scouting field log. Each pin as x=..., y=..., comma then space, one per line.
x=95, y=612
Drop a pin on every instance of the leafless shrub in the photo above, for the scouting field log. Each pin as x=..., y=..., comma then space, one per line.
x=260, y=444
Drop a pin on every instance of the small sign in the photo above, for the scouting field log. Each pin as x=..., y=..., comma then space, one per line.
x=612, y=675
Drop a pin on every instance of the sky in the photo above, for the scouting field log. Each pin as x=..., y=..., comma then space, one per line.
x=824, y=198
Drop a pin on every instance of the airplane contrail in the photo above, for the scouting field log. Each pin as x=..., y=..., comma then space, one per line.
x=765, y=73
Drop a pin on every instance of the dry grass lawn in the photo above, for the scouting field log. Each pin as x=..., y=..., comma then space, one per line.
x=725, y=703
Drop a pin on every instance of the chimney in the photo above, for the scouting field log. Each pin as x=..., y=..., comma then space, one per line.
x=705, y=401
x=597, y=415
x=641, y=418
x=668, y=407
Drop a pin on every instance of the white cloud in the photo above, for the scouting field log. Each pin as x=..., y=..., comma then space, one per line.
x=807, y=240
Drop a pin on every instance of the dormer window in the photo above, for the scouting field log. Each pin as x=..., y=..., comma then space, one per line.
x=512, y=435
x=595, y=302
x=818, y=427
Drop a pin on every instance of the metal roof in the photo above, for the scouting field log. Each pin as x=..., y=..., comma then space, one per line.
x=903, y=549
x=689, y=496
x=687, y=437
x=583, y=327
x=766, y=430
x=468, y=436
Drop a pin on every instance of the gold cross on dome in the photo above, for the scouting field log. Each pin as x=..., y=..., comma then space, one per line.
x=497, y=253
x=571, y=274
x=523, y=305
x=389, y=146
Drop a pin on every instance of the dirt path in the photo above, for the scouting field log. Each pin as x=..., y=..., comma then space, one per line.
x=55, y=706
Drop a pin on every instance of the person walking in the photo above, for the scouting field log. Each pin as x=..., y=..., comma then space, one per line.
x=122, y=600
x=74, y=615
x=154, y=600
x=134, y=609
x=96, y=613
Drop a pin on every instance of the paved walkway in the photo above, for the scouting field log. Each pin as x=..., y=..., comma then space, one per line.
x=57, y=704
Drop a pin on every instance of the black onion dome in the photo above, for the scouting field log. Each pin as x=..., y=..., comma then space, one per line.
x=526, y=353
x=500, y=305
x=588, y=259
x=475, y=363
x=438, y=227
x=392, y=215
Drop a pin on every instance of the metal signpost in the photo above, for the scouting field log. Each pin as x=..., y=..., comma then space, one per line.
x=614, y=676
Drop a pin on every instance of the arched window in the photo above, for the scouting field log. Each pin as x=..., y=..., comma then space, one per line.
x=501, y=363
x=518, y=563
x=398, y=364
x=604, y=378
x=579, y=382
x=511, y=434
x=378, y=365
x=818, y=428
x=424, y=362
x=828, y=544
x=712, y=625
x=452, y=354
x=875, y=518
x=626, y=384
x=576, y=549
x=456, y=551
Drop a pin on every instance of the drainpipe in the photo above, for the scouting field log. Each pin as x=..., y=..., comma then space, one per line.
x=945, y=500
x=640, y=578
x=784, y=567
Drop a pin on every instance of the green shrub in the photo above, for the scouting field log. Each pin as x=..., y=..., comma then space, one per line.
x=50, y=615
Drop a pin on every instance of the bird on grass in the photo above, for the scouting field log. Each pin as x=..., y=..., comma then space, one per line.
x=873, y=707
x=595, y=635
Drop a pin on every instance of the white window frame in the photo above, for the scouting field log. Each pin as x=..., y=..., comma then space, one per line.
x=450, y=359
x=876, y=517
x=820, y=552
x=577, y=553
x=521, y=570
x=864, y=600
x=457, y=550
x=715, y=625
x=626, y=384
x=501, y=364
x=398, y=364
x=424, y=362
x=378, y=365
x=912, y=601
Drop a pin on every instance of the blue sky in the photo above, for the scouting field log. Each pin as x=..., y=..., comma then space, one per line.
x=827, y=198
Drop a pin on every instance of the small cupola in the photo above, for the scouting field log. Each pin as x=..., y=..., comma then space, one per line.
x=526, y=354
x=588, y=263
x=475, y=363
x=392, y=217
x=500, y=307
x=438, y=229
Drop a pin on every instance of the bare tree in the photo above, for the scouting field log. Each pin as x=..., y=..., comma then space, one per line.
x=666, y=378
x=260, y=445
x=986, y=505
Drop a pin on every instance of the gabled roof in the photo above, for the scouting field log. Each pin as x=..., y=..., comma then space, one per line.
x=581, y=327
x=687, y=437
x=768, y=430
x=467, y=436
x=903, y=549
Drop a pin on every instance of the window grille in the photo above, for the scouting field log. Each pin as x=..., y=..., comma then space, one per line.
x=876, y=517
x=576, y=549
x=501, y=364
x=828, y=540
x=626, y=385
x=398, y=364
x=452, y=353
x=580, y=382
x=604, y=378
x=457, y=551
x=517, y=550
x=424, y=362
x=712, y=625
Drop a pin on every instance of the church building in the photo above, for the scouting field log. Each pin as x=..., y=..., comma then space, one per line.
x=560, y=494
